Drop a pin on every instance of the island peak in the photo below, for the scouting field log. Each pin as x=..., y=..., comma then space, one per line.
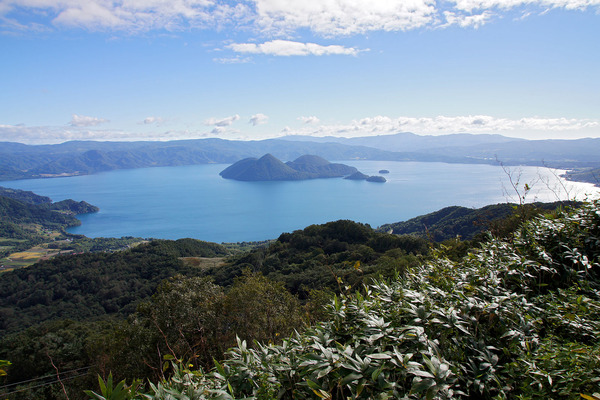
x=270, y=168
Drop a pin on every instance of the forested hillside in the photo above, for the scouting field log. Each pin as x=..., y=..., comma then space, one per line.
x=27, y=219
x=589, y=175
x=94, y=285
x=467, y=223
x=518, y=316
x=514, y=319
x=329, y=256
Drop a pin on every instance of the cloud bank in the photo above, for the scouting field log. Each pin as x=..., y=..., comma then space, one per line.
x=484, y=124
x=326, y=18
x=290, y=48
x=528, y=127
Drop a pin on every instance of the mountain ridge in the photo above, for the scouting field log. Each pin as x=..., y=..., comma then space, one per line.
x=20, y=161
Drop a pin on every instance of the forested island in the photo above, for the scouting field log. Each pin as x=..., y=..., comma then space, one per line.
x=359, y=176
x=269, y=168
x=499, y=301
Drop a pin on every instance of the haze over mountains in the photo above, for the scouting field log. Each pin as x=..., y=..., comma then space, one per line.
x=19, y=161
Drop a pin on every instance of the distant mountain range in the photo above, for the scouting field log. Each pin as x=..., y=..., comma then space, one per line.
x=479, y=148
x=20, y=161
x=270, y=168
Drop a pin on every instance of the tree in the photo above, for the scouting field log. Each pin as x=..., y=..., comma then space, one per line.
x=257, y=308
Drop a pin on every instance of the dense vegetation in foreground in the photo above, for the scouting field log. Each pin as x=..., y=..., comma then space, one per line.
x=513, y=319
x=186, y=314
x=517, y=317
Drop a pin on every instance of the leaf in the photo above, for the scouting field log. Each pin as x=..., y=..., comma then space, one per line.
x=586, y=397
x=422, y=385
x=423, y=374
x=322, y=394
x=324, y=372
x=351, y=377
x=376, y=373
x=313, y=385
x=379, y=356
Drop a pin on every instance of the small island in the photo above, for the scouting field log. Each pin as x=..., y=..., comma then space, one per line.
x=359, y=176
x=384, y=171
x=376, y=178
x=269, y=168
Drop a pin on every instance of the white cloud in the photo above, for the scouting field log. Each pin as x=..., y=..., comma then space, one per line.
x=259, y=119
x=523, y=127
x=527, y=127
x=82, y=121
x=290, y=48
x=129, y=15
x=326, y=18
x=56, y=134
x=470, y=5
x=309, y=120
x=343, y=17
x=153, y=120
x=465, y=21
x=233, y=60
x=60, y=134
x=222, y=122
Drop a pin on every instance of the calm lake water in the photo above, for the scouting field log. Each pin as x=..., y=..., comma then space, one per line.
x=194, y=201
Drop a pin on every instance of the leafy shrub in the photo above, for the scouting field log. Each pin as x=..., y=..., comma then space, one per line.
x=518, y=319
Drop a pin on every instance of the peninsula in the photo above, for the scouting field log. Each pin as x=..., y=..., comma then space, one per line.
x=269, y=168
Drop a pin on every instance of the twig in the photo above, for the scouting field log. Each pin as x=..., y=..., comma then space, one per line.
x=58, y=376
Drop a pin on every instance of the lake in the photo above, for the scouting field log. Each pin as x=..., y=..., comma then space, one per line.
x=194, y=201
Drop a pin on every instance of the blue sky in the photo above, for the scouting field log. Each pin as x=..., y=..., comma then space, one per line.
x=174, y=69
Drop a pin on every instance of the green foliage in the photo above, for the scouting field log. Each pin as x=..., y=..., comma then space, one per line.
x=319, y=255
x=192, y=319
x=26, y=218
x=17, y=212
x=93, y=285
x=517, y=319
x=258, y=309
x=50, y=353
x=182, y=248
x=4, y=364
x=182, y=319
x=468, y=223
x=24, y=196
x=82, y=244
x=119, y=392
